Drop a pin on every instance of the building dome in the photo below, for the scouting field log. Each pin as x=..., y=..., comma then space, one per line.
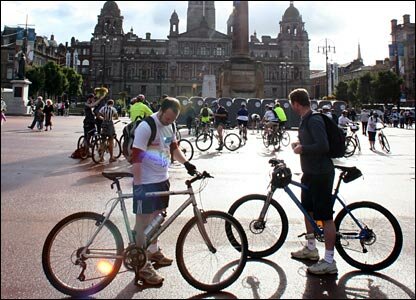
x=110, y=8
x=291, y=13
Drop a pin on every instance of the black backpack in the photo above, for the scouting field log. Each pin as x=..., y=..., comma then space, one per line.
x=204, y=112
x=336, y=137
x=128, y=133
x=275, y=114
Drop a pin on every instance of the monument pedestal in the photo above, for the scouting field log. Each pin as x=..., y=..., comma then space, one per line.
x=242, y=78
x=17, y=106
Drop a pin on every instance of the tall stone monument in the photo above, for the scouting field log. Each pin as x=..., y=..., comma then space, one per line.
x=17, y=105
x=241, y=76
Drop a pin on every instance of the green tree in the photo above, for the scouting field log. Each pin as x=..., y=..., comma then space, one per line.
x=352, y=92
x=37, y=77
x=341, y=91
x=387, y=87
x=74, y=82
x=56, y=82
x=365, y=89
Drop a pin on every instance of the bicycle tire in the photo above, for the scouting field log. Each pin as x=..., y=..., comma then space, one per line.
x=266, y=241
x=384, y=232
x=63, y=244
x=350, y=146
x=285, y=138
x=187, y=149
x=275, y=142
x=384, y=143
x=203, y=141
x=232, y=141
x=97, y=154
x=116, y=148
x=192, y=252
x=266, y=140
x=80, y=142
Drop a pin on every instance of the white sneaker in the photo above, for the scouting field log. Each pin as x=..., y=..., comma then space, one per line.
x=149, y=275
x=323, y=267
x=306, y=253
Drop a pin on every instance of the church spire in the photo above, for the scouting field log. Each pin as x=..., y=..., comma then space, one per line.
x=359, y=52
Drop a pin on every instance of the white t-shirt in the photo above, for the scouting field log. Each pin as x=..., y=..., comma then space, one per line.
x=372, y=124
x=269, y=116
x=155, y=164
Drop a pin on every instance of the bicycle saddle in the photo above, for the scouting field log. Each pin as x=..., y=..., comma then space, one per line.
x=116, y=175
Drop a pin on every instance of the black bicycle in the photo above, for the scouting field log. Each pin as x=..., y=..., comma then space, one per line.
x=369, y=237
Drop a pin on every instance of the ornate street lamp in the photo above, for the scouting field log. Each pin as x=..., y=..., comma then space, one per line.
x=325, y=50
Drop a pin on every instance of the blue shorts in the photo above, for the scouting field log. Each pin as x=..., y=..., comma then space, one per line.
x=318, y=197
x=148, y=205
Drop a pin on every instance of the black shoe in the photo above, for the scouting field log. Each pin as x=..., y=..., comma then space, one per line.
x=220, y=147
x=29, y=127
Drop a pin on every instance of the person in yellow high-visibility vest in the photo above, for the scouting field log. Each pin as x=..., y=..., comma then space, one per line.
x=280, y=114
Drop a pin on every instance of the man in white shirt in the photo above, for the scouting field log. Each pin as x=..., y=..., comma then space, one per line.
x=151, y=159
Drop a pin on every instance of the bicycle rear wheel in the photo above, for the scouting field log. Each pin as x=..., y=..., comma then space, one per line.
x=206, y=270
x=381, y=236
x=203, y=141
x=63, y=264
x=264, y=238
x=187, y=149
x=232, y=141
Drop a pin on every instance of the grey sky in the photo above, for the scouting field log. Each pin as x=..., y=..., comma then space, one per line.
x=344, y=23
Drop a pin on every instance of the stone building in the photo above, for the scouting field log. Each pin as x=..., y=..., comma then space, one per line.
x=402, y=54
x=127, y=62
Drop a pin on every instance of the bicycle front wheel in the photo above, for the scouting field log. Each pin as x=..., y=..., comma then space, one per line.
x=377, y=245
x=264, y=237
x=99, y=151
x=186, y=148
x=206, y=270
x=64, y=265
x=232, y=141
x=350, y=146
x=384, y=143
x=285, y=138
x=116, y=148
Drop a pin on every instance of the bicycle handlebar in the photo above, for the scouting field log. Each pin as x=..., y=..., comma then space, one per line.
x=198, y=176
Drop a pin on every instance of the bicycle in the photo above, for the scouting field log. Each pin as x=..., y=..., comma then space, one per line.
x=368, y=236
x=384, y=143
x=275, y=136
x=93, y=136
x=204, y=140
x=352, y=142
x=84, y=252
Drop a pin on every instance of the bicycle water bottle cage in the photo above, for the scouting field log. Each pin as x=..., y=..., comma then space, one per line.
x=351, y=174
x=281, y=177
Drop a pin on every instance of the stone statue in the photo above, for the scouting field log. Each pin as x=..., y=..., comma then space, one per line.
x=21, y=68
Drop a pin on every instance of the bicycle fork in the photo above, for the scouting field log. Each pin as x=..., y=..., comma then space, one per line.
x=200, y=221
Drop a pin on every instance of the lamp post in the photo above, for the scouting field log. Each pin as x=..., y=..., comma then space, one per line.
x=286, y=67
x=325, y=50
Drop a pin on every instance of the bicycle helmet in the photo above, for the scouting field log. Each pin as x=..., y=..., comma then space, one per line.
x=281, y=177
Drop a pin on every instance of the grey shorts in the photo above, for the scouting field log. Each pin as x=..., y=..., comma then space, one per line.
x=148, y=205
